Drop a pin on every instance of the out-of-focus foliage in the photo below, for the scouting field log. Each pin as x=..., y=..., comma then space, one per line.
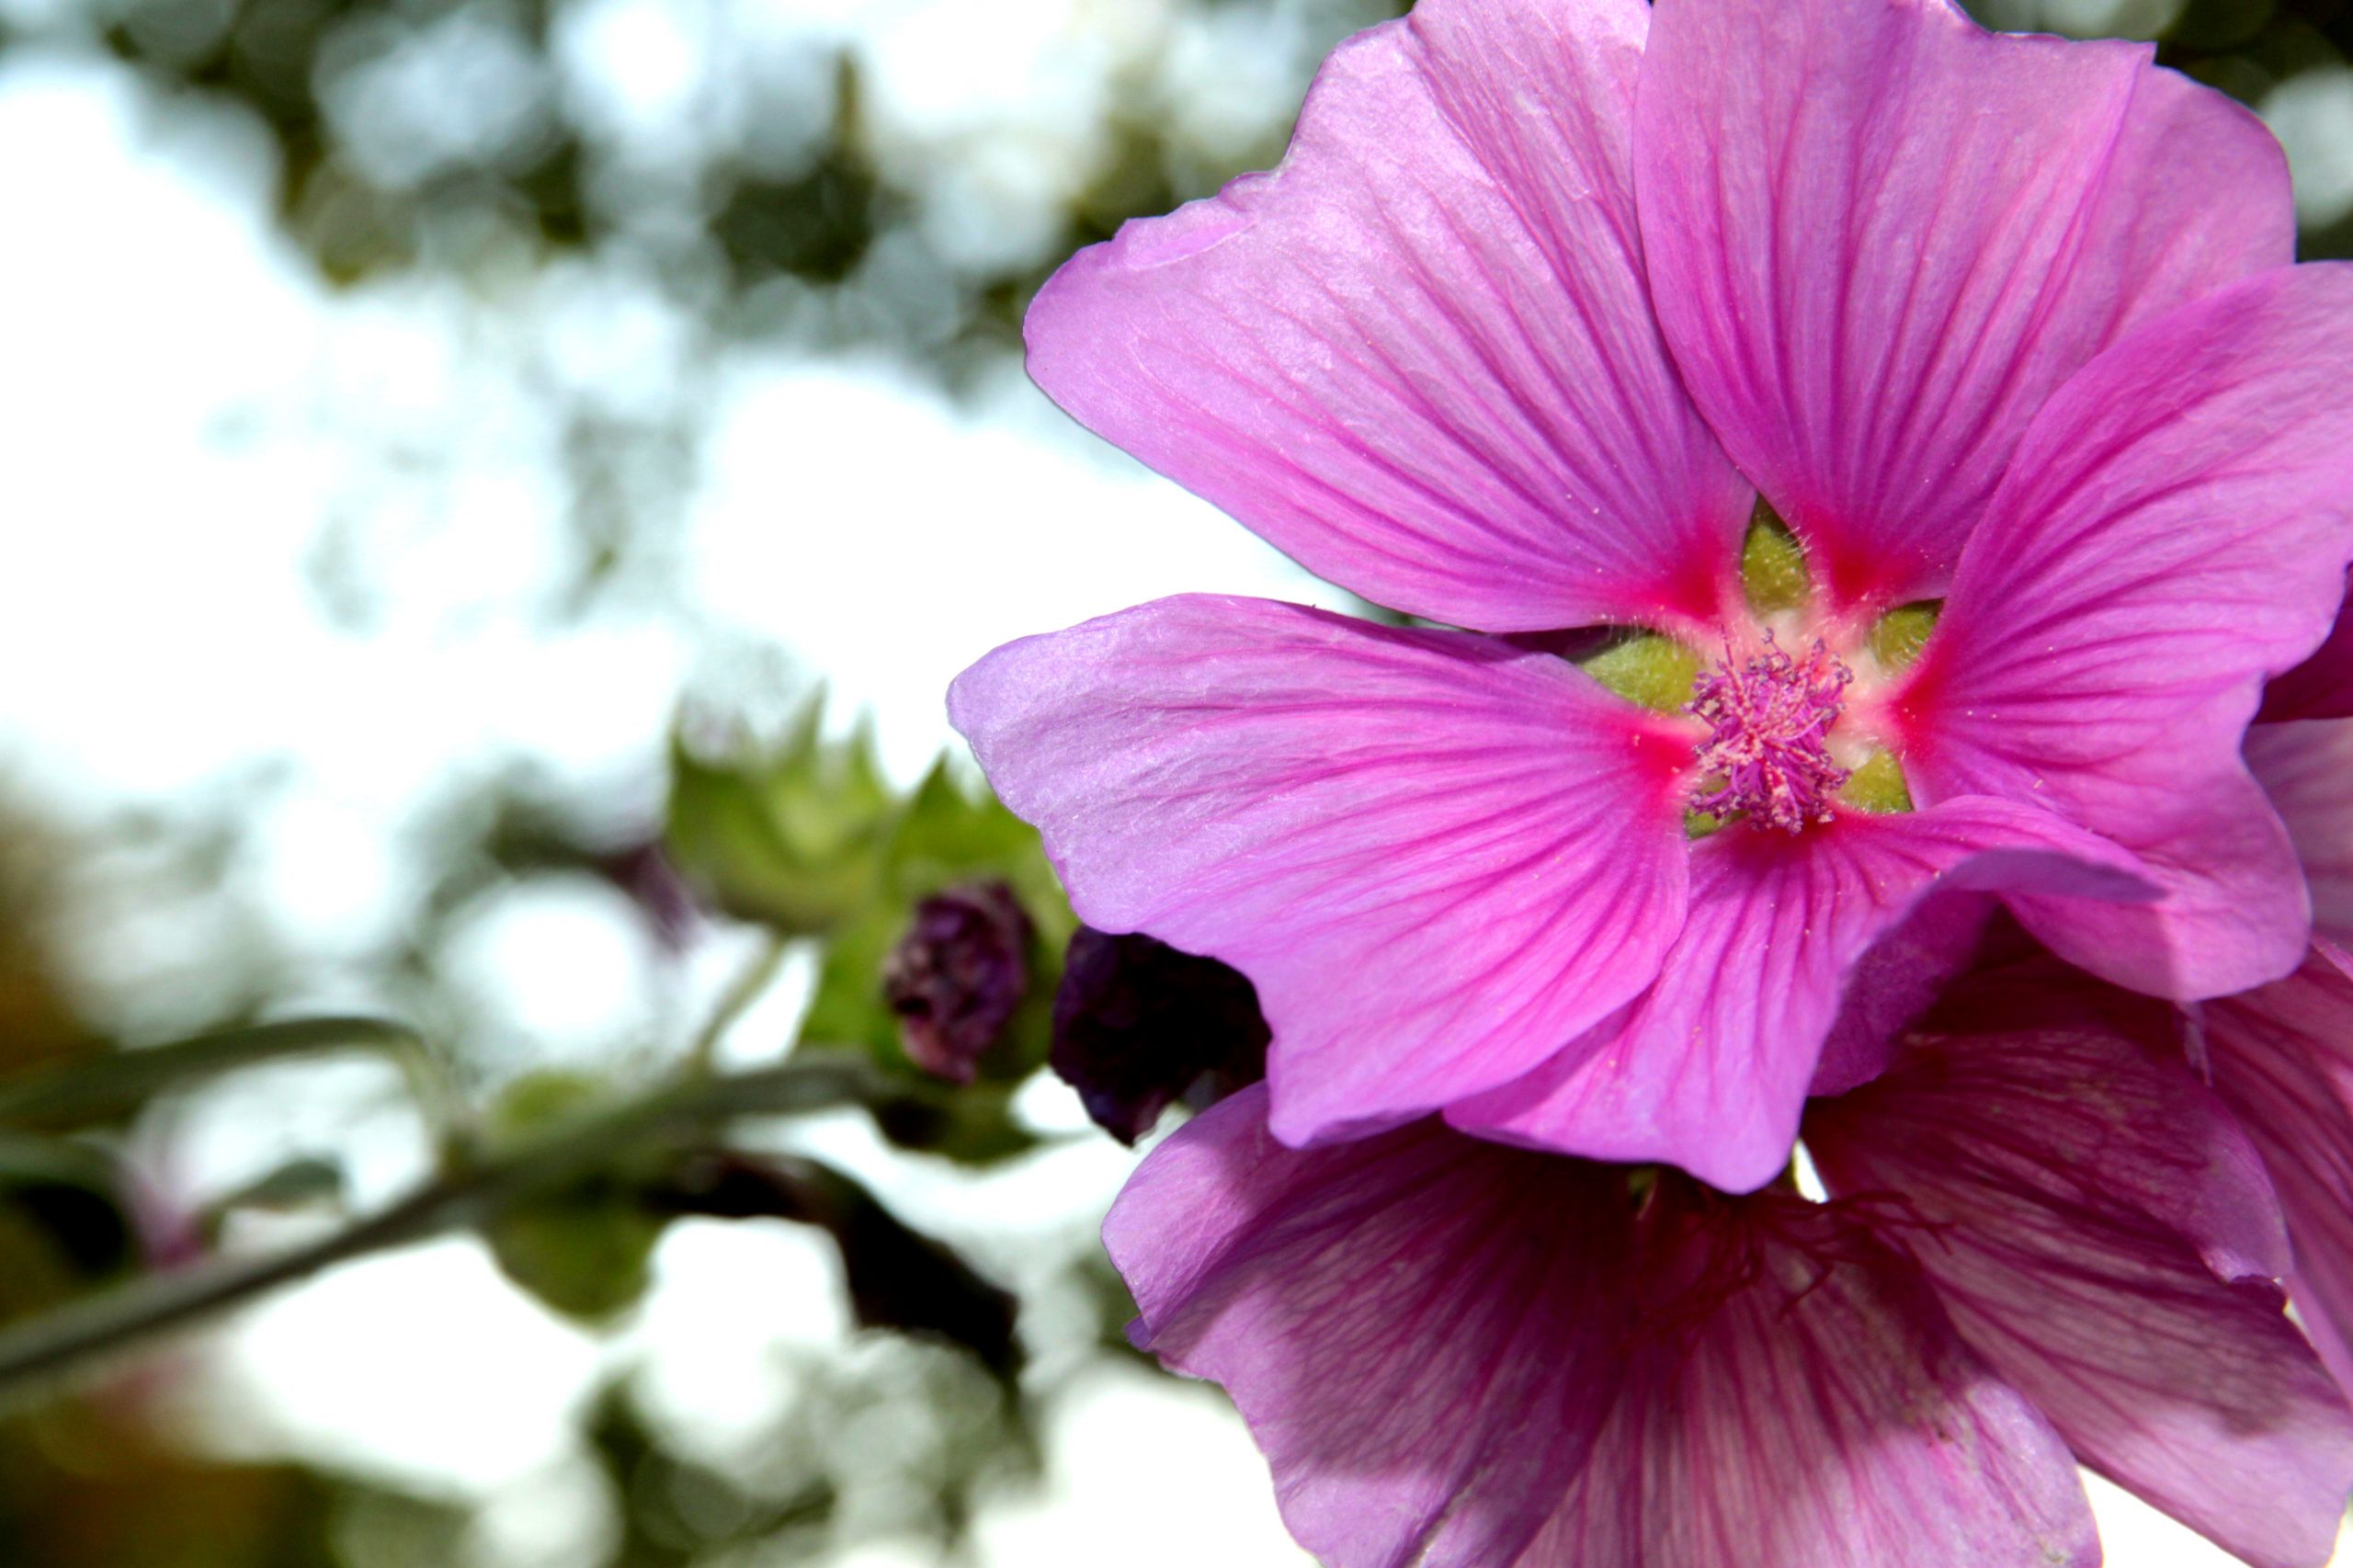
x=776, y=832
x=898, y=1279
x=792, y=837
x=585, y=1248
x=105, y=1480
x=946, y=833
x=93, y=1485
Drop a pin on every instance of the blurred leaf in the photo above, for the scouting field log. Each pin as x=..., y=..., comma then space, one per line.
x=789, y=839
x=585, y=1254
x=37, y=1268
x=949, y=834
x=99, y=1088
x=847, y=1011
x=582, y=1248
x=101, y=1483
x=680, y=1507
x=71, y=1192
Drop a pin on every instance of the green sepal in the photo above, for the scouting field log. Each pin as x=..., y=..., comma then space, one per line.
x=1773, y=573
x=1654, y=671
x=1878, y=785
x=1898, y=636
x=788, y=837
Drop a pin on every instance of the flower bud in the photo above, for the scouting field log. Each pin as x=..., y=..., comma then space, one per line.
x=956, y=976
x=1139, y=1023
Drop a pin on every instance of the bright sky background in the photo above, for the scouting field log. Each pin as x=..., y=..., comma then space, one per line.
x=177, y=432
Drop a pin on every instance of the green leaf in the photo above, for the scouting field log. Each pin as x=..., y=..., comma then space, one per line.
x=309, y=1182
x=582, y=1248
x=788, y=839
x=31, y=1158
x=949, y=834
x=847, y=1011
x=586, y=1255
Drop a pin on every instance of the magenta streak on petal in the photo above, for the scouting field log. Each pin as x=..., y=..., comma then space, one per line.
x=1768, y=719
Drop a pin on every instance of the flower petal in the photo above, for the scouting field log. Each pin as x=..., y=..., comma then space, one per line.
x=1419, y=356
x=2320, y=688
x=1896, y=980
x=2282, y=1056
x=2174, y=531
x=1824, y=1415
x=1437, y=857
x=1457, y=1354
x=2072, y=1198
x=1418, y=1326
x=1709, y=1069
x=2306, y=769
x=1880, y=236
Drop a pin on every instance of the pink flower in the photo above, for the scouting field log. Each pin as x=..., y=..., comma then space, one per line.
x=2282, y=1054
x=2049, y=1244
x=1545, y=294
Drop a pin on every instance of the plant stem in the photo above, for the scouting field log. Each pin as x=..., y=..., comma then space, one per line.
x=34, y=1352
x=95, y=1087
x=745, y=989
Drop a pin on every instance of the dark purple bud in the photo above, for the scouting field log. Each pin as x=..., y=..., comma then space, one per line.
x=956, y=976
x=1138, y=1024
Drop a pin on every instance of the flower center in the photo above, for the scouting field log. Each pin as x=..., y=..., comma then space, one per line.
x=1767, y=755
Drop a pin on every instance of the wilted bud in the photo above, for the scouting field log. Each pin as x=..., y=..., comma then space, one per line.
x=1139, y=1023
x=956, y=976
